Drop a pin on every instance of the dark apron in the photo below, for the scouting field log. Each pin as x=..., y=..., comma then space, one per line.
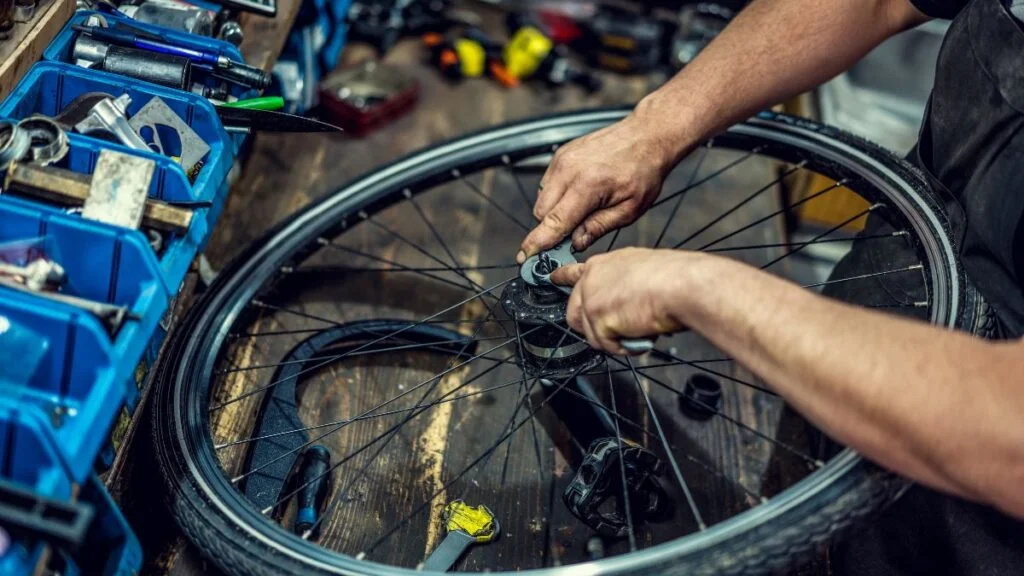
x=972, y=148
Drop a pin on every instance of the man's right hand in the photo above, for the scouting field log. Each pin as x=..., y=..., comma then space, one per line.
x=600, y=182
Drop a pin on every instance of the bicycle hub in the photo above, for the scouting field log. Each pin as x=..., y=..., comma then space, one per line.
x=538, y=307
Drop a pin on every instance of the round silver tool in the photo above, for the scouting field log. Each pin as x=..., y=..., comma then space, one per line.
x=48, y=143
x=537, y=269
x=14, y=143
x=24, y=10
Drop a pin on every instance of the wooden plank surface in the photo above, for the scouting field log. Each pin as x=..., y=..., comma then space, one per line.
x=265, y=37
x=285, y=172
x=28, y=41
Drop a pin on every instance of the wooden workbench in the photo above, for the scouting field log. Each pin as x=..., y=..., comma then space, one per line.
x=285, y=172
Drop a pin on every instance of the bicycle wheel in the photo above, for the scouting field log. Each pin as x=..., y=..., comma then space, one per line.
x=301, y=343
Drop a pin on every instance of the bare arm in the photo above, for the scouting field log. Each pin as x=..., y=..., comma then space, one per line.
x=938, y=406
x=773, y=50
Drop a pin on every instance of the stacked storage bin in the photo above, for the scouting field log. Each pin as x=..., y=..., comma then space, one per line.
x=60, y=400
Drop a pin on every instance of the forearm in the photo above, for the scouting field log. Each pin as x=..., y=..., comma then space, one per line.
x=773, y=50
x=941, y=407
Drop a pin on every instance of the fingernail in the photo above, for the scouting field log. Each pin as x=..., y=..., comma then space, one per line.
x=520, y=257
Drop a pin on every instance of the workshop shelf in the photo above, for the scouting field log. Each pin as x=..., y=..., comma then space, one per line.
x=169, y=184
x=49, y=87
x=29, y=458
x=85, y=375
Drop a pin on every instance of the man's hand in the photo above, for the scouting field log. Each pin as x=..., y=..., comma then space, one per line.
x=627, y=293
x=600, y=182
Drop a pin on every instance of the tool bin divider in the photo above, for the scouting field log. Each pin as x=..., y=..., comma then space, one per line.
x=169, y=184
x=85, y=376
x=49, y=87
x=29, y=459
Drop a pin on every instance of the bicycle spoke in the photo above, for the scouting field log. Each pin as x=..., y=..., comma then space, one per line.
x=796, y=452
x=341, y=496
x=432, y=379
x=458, y=176
x=668, y=448
x=401, y=267
x=508, y=384
x=873, y=275
x=533, y=426
x=435, y=379
x=615, y=237
x=444, y=246
x=379, y=270
x=826, y=190
x=519, y=185
x=709, y=177
x=666, y=354
x=364, y=346
x=630, y=533
x=895, y=234
x=404, y=347
x=312, y=330
x=842, y=224
x=679, y=199
x=490, y=450
x=741, y=203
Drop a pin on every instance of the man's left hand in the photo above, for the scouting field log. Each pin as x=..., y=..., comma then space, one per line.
x=628, y=293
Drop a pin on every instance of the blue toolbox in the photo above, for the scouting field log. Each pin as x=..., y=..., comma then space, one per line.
x=72, y=354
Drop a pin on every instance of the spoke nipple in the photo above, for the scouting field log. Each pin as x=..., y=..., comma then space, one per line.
x=554, y=147
x=702, y=526
x=363, y=214
x=764, y=499
x=505, y=159
x=876, y=206
x=407, y=193
x=287, y=269
x=361, y=556
x=922, y=304
x=901, y=233
x=322, y=241
x=456, y=173
x=819, y=464
x=266, y=510
x=916, y=267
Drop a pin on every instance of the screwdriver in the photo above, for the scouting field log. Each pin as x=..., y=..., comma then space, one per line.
x=225, y=67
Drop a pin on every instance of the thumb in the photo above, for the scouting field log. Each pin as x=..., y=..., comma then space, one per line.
x=558, y=223
x=568, y=275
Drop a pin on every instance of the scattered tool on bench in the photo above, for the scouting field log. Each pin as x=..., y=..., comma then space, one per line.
x=246, y=120
x=465, y=525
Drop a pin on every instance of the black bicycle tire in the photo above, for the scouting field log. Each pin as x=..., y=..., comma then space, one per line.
x=857, y=489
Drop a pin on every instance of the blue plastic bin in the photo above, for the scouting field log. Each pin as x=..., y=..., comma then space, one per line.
x=60, y=49
x=170, y=185
x=84, y=374
x=29, y=457
x=49, y=87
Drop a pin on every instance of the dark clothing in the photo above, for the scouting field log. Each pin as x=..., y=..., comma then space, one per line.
x=972, y=148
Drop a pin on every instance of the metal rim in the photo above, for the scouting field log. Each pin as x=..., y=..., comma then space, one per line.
x=201, y=352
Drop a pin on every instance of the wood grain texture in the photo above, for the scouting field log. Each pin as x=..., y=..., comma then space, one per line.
x=28, y=41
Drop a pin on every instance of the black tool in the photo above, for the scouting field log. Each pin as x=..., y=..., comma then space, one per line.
x=701, y=397
x=247, y=120
x=314, y=479
x=599, y=479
